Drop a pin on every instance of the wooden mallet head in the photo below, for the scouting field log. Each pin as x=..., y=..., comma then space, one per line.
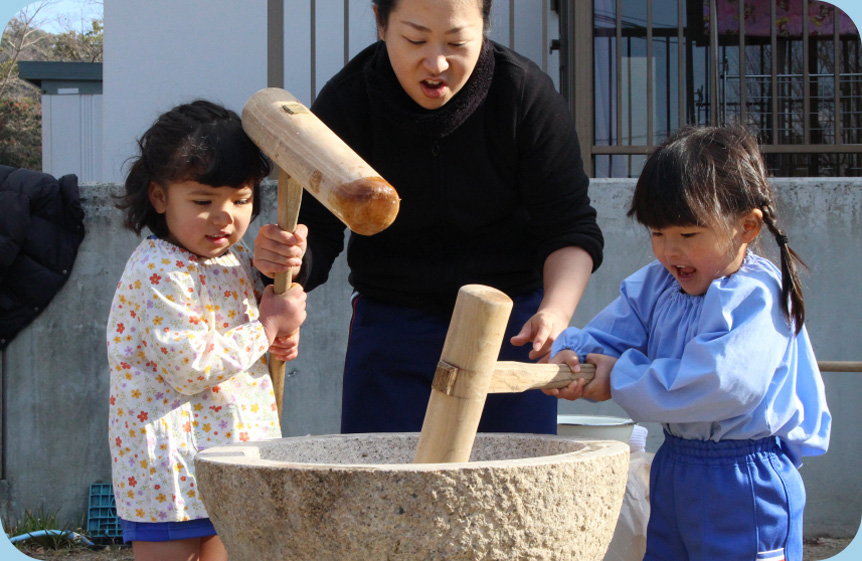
x=313, y=156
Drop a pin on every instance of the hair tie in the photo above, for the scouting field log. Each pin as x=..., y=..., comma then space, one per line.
x=782, y=239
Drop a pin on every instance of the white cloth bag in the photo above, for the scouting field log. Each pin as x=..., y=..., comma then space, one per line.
x=629, y=541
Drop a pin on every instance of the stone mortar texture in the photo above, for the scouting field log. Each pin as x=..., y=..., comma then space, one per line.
x=358, y=497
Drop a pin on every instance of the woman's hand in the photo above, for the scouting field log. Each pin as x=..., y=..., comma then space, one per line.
x=285, y=348
x=566, y=273
x=542, y=329
x=279, y=251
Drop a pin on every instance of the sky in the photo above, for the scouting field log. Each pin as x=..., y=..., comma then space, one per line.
x=76, y=11
x=60, y=16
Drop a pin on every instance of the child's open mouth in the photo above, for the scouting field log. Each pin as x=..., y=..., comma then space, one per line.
x=685, y=272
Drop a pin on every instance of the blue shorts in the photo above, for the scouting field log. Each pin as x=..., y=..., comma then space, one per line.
x=733, y=499
x=392, y=354
x=166, y=531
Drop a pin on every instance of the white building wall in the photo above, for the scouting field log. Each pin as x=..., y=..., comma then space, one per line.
x=159, y=53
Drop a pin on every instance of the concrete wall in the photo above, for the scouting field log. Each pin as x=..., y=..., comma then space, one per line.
x=55, y=374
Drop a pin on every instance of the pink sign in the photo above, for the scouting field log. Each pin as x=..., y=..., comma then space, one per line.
x=788, y=18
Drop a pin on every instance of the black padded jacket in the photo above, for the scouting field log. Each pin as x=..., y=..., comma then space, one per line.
x=41, y=228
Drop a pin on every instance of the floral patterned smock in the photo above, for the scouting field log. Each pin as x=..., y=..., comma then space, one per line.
x=188, y=371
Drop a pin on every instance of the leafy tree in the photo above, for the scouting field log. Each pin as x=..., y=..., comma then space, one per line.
x=21, y=133
x=72, y=46
x=20, y=102
x=20, y=107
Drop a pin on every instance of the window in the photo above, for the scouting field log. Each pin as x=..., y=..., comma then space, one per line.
x=789, y=70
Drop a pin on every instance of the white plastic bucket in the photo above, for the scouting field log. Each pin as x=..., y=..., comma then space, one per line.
x=602, y=427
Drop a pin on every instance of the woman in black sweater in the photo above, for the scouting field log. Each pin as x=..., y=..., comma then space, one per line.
x=483, y=153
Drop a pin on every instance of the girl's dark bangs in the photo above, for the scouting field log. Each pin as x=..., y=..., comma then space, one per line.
x=219, y=158
x=661, y=196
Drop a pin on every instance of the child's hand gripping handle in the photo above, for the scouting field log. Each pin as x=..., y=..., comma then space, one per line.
x=289, y=199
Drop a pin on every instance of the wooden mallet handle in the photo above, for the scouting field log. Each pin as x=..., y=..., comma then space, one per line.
x=516, y=377
x=289, y=199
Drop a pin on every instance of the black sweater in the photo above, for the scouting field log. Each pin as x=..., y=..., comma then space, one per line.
x=484, y=203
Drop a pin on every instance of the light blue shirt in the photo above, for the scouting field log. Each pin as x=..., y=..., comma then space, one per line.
x=725, y=365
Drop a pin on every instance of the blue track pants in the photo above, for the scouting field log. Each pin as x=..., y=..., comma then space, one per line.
x=733, y=499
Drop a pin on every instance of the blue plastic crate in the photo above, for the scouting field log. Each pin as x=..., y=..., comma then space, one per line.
x=102, y=521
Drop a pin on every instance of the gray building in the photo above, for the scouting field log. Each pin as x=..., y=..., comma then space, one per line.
x=71, y=116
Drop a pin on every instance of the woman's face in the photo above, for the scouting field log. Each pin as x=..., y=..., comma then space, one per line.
x=433, y=46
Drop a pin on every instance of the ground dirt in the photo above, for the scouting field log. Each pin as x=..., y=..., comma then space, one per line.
x=823, y=548
x=815, y=550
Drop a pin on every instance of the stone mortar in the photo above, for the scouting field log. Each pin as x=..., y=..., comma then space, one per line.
x=358, y=497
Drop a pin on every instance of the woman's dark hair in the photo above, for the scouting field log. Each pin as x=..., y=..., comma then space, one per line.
x=198, y=141
x=708, y=176
x=385, y=8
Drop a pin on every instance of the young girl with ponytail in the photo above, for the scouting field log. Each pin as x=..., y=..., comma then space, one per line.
x=709, y=341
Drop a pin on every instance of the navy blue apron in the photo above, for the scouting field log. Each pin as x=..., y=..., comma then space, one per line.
x=392, y=354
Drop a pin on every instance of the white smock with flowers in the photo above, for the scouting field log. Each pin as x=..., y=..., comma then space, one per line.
x=188, y=371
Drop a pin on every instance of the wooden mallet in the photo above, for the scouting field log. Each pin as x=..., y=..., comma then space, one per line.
x=469, y=370
x=309, y=155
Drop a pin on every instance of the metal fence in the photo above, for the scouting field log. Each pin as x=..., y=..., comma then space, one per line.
x=790, y=70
